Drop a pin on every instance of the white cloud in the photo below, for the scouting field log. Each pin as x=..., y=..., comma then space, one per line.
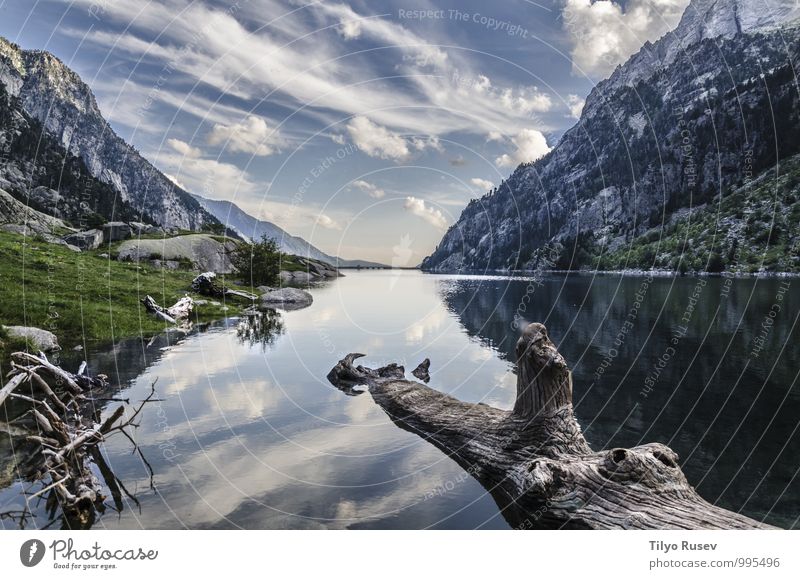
x=377, y=141
x=369, y=188
x=482, y=183
x=529, y=145
x=493, y=136
x=350, y=29
x=338, y=139
x=430, y=214
x=575, y=104
x=207, y=177
x=605, y=34
x=251, y=136
x=327, y=222
x=184, y=148
x=300, y=66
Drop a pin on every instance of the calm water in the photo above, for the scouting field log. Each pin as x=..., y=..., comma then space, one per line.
x=249, y=433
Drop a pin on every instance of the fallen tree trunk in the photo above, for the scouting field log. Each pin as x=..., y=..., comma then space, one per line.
x=206, y=284
x=534, y=459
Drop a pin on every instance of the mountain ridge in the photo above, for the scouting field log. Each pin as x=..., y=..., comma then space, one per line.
x=249, y=227
x=55, y=95
x=651, y=141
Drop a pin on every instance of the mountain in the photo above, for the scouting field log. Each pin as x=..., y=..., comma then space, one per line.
x=43, y=100
x=687, y=122
x=247, y=226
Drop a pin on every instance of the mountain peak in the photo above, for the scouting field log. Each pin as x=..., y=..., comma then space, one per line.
x=702, y=19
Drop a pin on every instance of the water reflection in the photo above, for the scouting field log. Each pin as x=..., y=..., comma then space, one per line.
x=249, y=433
x=261, y=328
x=674, y=361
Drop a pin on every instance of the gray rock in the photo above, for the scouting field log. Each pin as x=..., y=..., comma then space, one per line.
x=262, y=289
x=74, y=248
x=167, y=264
x=42, y=339
x=287, y=298
x=301, y=277
x=116, y=231
x=138, y=228
x=14, y=213
x=86, y=240
x=205, y=252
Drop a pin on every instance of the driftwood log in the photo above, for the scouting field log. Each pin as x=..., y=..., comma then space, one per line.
x=207, y=284
x=534, y=459
x=173, y=314
x=58, y=418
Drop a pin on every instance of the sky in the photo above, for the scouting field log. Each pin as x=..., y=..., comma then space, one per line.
x=363, y=127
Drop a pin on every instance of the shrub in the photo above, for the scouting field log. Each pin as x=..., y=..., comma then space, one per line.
x=258, y=262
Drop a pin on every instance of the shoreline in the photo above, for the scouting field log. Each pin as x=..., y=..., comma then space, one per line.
x=618, y=272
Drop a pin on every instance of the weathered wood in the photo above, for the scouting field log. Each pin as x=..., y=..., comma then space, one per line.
x=207, y=284
x=10, y=386
x=151, y=306
x=534, y=459
x=66, y=443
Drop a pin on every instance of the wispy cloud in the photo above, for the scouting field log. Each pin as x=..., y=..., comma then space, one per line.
x=369, y=188
x=312, y=66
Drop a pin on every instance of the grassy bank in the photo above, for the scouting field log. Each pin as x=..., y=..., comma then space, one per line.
x=83, y=298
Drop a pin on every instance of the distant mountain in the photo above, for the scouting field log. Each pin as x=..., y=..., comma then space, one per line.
x=42, y=99
x=247, y=226
x=688, y=121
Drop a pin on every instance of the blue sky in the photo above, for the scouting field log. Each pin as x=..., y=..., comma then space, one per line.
x=363, y=127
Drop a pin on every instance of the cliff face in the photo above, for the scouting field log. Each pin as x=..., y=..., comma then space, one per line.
x=45, y=95
x=684, y=122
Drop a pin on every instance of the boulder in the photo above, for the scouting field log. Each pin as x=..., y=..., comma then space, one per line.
x=202, y=250
x=287, y=298
x=116, y=231
x=41, y=339
x=138, y=228
x=301, y=277
x=85, y=240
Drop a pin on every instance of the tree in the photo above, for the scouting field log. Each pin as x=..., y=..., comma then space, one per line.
x=258, y=262
x=715, y=263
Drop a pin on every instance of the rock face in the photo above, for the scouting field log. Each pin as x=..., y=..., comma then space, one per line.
x=314, y=271
x=86, y=240
x=17, y=214
x=41, y=339
x=116, y=231
x=203, y=251
x=38, y=91
x=670, y=130
x=287, y=298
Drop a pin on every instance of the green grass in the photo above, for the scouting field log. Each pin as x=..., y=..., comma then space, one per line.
x=82, y=298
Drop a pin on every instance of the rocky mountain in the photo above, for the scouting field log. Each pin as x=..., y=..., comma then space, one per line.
x=688, y=121
x=247, y=226
x=43, y=100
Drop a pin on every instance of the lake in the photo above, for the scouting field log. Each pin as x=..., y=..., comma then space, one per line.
x=248, y=433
